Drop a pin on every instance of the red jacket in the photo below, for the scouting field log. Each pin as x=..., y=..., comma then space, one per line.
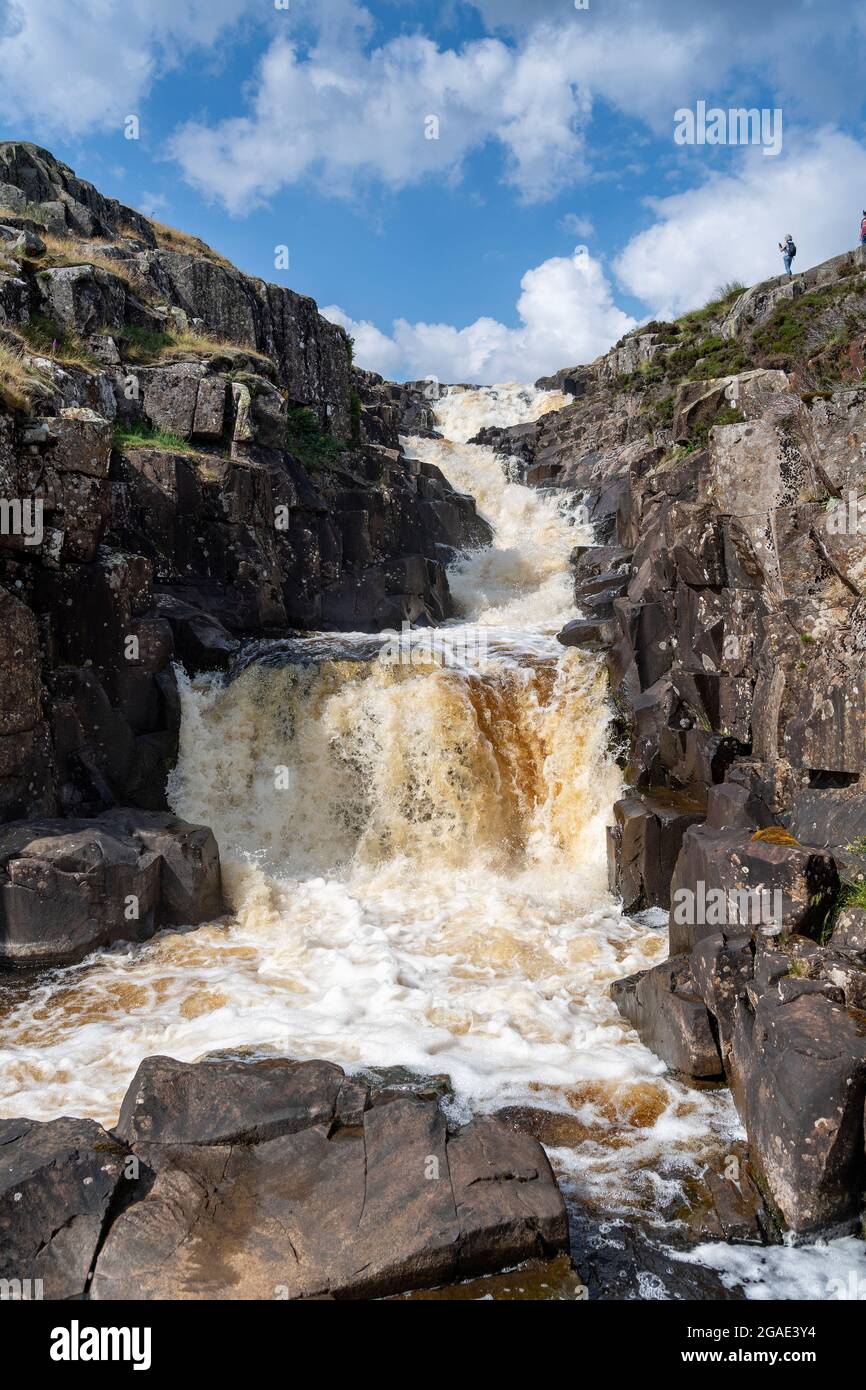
x=863, y=227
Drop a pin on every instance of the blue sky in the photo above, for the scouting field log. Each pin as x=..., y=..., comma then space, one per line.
x=303, y=122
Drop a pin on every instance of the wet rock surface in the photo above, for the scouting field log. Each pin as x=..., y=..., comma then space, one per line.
x=57, y=1184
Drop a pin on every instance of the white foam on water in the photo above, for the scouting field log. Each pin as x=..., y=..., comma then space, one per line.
x=428, y=888
x=828, y=1270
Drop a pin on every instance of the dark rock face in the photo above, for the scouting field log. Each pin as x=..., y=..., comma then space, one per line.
x=57, y=1184
x=754, y=882
x=346, y=1215
x=726, y=593
x=787, y=1023
x=70, y=886
x=800, y=1063
x=31, y=176
x=665, y=1007
x=205, y=468
x=389, y=408
x=643, y=844
x=223, y=1102
x=269, y=1180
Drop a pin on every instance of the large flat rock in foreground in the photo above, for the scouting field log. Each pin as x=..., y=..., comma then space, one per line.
x=272, y=1180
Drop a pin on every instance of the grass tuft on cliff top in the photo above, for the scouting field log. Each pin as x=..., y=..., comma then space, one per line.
x=141, y=437
x=48, y=339
x=145, y=346
x=18, y=379
x=171, y=239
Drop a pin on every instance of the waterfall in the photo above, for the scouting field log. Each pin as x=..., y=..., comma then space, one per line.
x=414, y=858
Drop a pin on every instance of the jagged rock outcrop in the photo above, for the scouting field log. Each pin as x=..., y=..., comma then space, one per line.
x=70, y=886
x=273, y=1179
x=720, y=459
x=389, y=409
x=186, y=461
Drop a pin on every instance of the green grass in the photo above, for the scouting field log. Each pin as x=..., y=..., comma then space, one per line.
x=849, y=895
x=140, y=437
x=148, y=346
x=141, y=345
x=49, y=339
x=855, y=895
x=355, y=416
x=32, y=211
x=785, y=337
x=306, y=442
x=700, y=438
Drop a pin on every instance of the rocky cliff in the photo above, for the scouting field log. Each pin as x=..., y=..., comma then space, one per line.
x=187, y=459
x=721, y=459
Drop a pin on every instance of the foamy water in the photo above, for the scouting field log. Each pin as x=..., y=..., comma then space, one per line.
x=414, y=859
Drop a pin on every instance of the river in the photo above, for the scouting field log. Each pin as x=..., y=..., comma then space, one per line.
x=412, y=837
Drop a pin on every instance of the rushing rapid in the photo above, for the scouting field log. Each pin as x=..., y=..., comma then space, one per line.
x=413, y=856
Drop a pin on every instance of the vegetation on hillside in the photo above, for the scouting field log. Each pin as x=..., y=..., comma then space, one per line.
x=171, y=239
x=18, y=379
x=812, y=332
x=139, y=436
x=306, y=442
x=43, y=336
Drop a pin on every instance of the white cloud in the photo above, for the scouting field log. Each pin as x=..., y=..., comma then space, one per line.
x=72, y=66
x=152, y=204
x=346, y=111
x=567, y=316
x=374, y=350
x=576, y=225
x=729, y=228
x=726, y=229
x=343, y=115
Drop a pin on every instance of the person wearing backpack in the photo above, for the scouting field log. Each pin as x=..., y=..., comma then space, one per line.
x=789, y=251
x=863, y=229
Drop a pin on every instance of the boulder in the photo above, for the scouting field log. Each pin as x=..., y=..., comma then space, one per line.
x=57, y=1183
x=224, y=1102
x=316, y=1202
x=594, y=634
x=801, y=1060
x=68, y=887
x=643, y=845
x=763, y=881
x=200, y=641
x=849, y=932
x=664, y=1006
x=81, y=298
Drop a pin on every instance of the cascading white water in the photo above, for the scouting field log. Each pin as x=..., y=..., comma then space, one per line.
x=414, y=857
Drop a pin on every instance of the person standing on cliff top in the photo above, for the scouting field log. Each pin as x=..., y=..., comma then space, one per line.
x=789, y=251
x=863, y=229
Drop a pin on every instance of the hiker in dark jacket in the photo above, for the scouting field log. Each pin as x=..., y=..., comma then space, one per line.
x=863, y=229
x=789, y=251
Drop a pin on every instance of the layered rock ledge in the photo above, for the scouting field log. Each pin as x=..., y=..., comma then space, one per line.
x=720, y=460
x=189, y=460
